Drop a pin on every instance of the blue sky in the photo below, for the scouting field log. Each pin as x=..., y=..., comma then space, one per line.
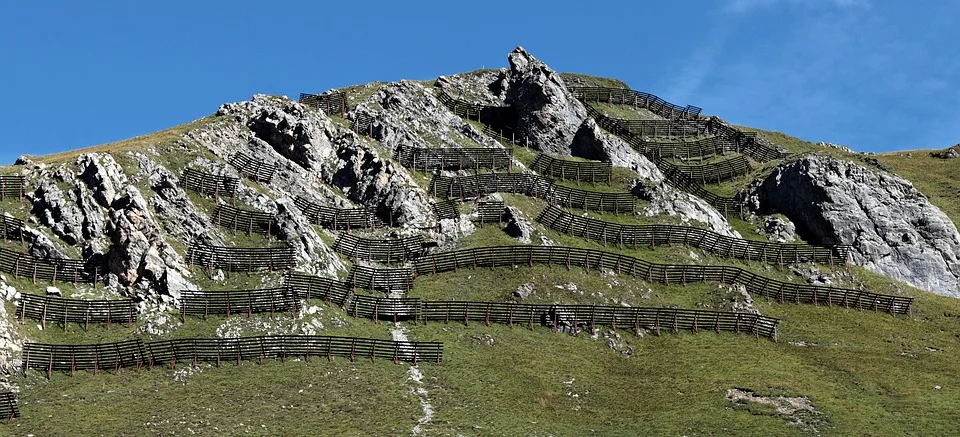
x=874, y=75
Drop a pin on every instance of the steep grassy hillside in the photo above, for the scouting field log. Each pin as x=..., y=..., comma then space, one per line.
x=831, y=371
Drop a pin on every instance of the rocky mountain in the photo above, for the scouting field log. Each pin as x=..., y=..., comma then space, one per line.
x=133, y=214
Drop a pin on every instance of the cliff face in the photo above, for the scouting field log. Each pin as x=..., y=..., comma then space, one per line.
x=893, y=228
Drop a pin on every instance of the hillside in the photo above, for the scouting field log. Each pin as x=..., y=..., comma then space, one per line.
x=497, y=252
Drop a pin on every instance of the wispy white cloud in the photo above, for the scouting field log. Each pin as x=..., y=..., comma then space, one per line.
x=748, y=6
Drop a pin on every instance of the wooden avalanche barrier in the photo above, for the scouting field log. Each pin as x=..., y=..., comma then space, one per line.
x=332, y=103
x=254, y=169
x=391, y=250
x=382, y=279
x=210, y=184
x=651, y=235
x=249, y=222
x=240, y=259
x=8, y=406
x=53, y=270
x=84, y=312
x=338, y=218
x=230, y=302
x=567, y=257
x=533, y=185
x=12, y=186
x=567, y=170
x=450, y=158
x=137, y=354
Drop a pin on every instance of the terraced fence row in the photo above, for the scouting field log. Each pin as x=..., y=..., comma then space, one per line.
x=748, y=142
x=533, y=185
x=208, y=183
x=64, y=270
x=449, y=158
x=338, y=218
x=85, y=312
x=500, y=116
x=137, y=353
x=331, y=103
x=719, y=171
x=568, y=170
x=236, y=219
x=690, y=149
x=387, y=250
x=239, y=259
x=569, y=318
x=11, y=228
x=637, y=99
x=8, y=406
x=229, y=302
x=575, y=317
x=12, y=186
x=626, y=235
x=254, y=169
x=382, y=279
x=674, y=176
x=511, y=256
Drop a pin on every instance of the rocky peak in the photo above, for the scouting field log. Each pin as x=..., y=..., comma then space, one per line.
x=547, y=114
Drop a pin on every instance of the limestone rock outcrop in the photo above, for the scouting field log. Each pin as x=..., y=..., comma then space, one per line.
x=591, y=142
x=893, y=229
x=547, y=114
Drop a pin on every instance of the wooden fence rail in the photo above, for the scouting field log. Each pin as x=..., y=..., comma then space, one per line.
x=490, y=211
x=626, y=235
x=254, y=169
x=64, y=270
x=638, y=99
x=8, y=406
x=446, y=209
x=332, y=103
x=716, y=172
x=381, y=279
x=11, y=228
x=12, y=186
x=466, y=187
x=85, y=312
x=389, y=250
x=572, y=318
x=137, y=353
x=450, y=158
x=511, y=256
x=239, y=259
x=267, y=300
x=251, y=222
x=338, y=218
x=562, y=169
x=210, y=184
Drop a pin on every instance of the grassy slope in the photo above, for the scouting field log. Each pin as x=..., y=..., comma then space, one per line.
x=866, y=372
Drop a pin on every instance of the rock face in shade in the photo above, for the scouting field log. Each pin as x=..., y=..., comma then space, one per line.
x=893, y=228
x=547, y=114
x=592, y=143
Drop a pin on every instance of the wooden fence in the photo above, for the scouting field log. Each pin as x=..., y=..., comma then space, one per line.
x=137, y=353
x=381, y=279
x=446, y=209
x=210, y=184
x=511, y=256
x=58, y=309
x=332, y=103
x=716, y=172
x=64, y=270
x=316, y=287
x=8, y=406
x=251, y=222
x=572, y=318
x=11, y=228
x=625, y=235
x=490, y=211
x=450, y=158
x=567, y=317
x=254, y=169
x=338, y=218
x=239, y=259
x=228, y=302
x=12, y=186
x=389, y=250
x=466, y=187
x=591, y=171
x=637, y=99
